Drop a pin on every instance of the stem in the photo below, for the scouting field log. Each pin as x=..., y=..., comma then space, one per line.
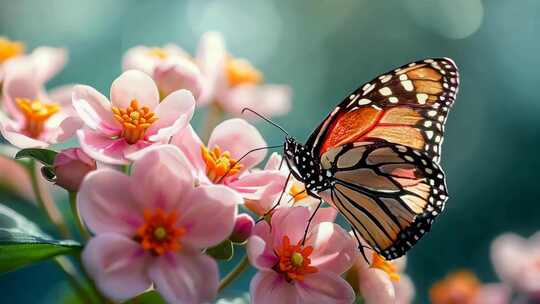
x=234, y=274
x=213, y=117
x=44, y=201
x=74, y=279
x=73, y=203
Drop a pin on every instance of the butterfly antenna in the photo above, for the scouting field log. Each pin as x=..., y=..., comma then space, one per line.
x=265, y=119
x=243, y=156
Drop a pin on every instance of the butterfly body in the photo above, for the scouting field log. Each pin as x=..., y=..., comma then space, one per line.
x=376, y=155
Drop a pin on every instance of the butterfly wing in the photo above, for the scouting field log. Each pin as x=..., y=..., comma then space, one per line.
x=406, y=106
x=389, y=193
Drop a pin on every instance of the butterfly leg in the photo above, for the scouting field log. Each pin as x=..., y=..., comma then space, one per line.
x=311, y=218
x=360, y=246
x=278, y=201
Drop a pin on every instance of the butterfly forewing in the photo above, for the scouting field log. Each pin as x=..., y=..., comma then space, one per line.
x=389, y=193
x=406, y=106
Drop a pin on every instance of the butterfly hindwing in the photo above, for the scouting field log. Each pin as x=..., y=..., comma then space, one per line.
x=406, y=106
x=389, y=193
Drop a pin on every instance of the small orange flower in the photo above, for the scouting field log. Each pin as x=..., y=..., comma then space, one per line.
x=298, y=191
x=134, y=121
x=219, y=163
x=382, y=264
x=159, y=233
x=240, y=71
x=10, y=49
x=294, y=261
x=460, y=287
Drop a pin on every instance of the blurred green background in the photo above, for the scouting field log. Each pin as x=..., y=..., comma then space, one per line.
x=324, y=49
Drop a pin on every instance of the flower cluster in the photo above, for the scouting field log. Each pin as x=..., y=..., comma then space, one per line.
x=157, y=203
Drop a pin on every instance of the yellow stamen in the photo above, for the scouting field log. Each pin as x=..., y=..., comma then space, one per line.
x=159, y=53
x=36, y=114
x=382, y=264
x=10, y=49
x=219, y=164
x=298, y=191
x=135, y=121
x=240, y=71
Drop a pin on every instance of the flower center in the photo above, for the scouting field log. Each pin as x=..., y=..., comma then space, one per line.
x=298, y=191
x=158, y=53
x=382, y=264
x=219, y=164
x=36, y=114
x=294, y=261
x=160, y=232
x=10, y=49
x=134, y=121
x=240, y=71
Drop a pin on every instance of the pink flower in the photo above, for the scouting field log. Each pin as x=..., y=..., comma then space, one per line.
x=71, y=166
x=292, y=272
x=382, y=281
x=243, y=227
x=517, y=262
x=234, y=83
x=217, y=162
x=171, y=68
x=152, y=226
x=33, y=118
x=132, y=120
x=295, y=195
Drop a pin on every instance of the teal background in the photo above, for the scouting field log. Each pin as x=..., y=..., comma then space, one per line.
x=323, y=50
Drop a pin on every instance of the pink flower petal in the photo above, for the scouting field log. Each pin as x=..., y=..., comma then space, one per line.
x=103, y=148
x=325, y=287
x=189, y=142
x=19, y=82
x=268, y=287
x=10, y=132
x=268, y=100
x=174, y=114
x=63, y=95
x=177, y=74
x=404, y=290
x=155, y=169
x=208, y=214
x=334, y=250
x=107, y=205
x=95, y=110
x=291, y=222
x=210, y=58
x=48, y=61
x=261, y=254
x=493, y=294
x=375, y=285
x=274, y=162
x=134, y=85
x=117, y=264
x=507, y=253
x=238, y=137
x=185, y=279
x=327, y=214
x=137, y=58
x=259, y=184
x=65, y=130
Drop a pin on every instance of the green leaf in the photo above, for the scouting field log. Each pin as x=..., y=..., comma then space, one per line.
x=223, y=251
x=44, y=156
x=23, y=243
x=149, y=297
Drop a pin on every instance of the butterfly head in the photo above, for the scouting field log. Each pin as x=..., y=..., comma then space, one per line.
x=304, y=166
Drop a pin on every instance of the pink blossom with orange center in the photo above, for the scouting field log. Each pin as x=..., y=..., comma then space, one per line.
x=290, y=271
x=32, y=117
x=234, y=83
x=148, y=233
x=134, y=118
x=217, y=162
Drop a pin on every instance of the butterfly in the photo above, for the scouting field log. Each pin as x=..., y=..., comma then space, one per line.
x=375, y=157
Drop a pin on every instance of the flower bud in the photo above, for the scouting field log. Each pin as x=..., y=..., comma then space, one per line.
x=71, y=166
x=243, y=226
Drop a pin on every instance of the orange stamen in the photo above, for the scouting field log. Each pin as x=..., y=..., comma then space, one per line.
x=10, y=49
x=219, y=164
x=36, y=114
x=294, y=262
x=157, y=52
x=459, y=287
x=160, y=234
x=382, y=264
x=134, y=121
x=298, y=191
x=240, y=71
